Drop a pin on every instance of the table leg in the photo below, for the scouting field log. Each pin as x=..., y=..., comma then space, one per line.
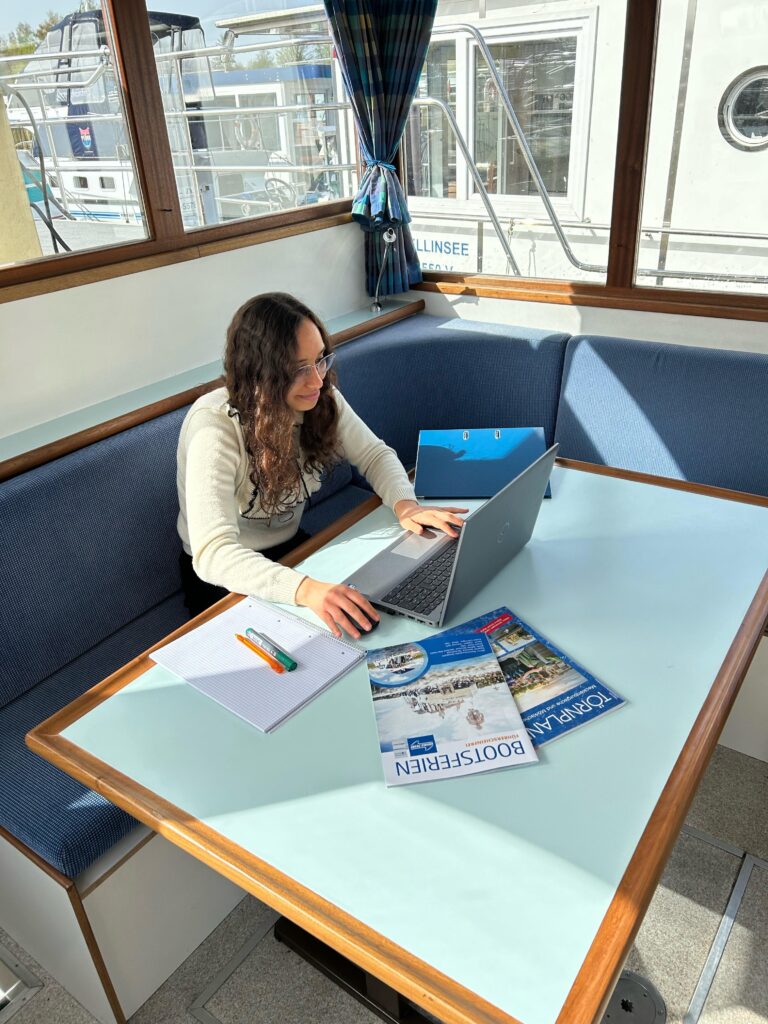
x=372, y=993
x=635, y=1000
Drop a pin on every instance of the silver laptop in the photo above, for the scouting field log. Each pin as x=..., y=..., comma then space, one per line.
x=429, y=578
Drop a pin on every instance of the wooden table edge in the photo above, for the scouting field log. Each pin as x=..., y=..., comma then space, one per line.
x=412, y=977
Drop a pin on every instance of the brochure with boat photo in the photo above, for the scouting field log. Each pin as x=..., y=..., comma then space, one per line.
x=553, y=693
x=443, y=709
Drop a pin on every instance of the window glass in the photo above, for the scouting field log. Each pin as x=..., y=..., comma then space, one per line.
x=704, y=219
x=256, y=112
x=430, y=144
x=538, y=76
x=61, y=117
x=522, y=183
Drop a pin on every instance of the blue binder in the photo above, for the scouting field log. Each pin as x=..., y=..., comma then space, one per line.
x=474, y=463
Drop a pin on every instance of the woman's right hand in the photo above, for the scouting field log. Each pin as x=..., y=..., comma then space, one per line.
x=334, y=603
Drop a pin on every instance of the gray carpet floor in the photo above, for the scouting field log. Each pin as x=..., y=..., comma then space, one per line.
x=241, y=975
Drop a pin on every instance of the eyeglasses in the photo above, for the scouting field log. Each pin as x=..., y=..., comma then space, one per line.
x=322, y=366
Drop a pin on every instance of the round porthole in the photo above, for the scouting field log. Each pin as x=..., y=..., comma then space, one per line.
x=743, y=112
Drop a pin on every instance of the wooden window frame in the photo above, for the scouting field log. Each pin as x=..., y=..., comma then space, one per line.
x=168, y=238
x=619, y=290
x=143, y=105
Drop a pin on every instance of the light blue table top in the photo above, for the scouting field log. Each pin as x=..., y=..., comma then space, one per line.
x=499, y=880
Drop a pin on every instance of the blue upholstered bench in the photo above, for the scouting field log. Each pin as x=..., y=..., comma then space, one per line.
x=434, y=372
x=679, y=411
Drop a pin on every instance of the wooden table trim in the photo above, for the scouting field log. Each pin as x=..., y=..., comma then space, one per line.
x=412, y=977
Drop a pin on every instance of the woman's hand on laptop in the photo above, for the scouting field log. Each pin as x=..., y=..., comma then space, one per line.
x=416, y=517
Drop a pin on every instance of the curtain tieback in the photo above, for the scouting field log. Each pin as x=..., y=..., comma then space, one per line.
x=382, y=163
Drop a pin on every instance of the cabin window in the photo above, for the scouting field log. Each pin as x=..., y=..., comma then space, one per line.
x=108, y=184
x=704, y=221
x=430, y=144
x=505, y=193
x=538, y=75
x=62, y=111
x=257, y=117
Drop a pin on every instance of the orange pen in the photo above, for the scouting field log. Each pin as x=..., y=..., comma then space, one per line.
x=273, y=664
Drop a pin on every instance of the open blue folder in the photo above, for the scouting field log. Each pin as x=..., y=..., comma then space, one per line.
x=474, y=463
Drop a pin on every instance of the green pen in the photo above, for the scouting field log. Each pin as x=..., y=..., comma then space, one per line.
x=271, y=648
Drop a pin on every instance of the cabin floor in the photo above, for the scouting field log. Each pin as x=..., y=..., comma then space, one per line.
x=717, y=875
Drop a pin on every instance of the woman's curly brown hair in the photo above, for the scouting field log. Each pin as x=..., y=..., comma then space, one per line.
x=259, y=368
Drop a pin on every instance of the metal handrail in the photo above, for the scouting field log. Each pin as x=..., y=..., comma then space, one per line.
x=58, y=83
x=218, y=51
x=522, y=142
x=428, y=101
x=268, y=169
x=51, y=55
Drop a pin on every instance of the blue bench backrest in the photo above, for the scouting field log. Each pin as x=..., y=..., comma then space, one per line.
x=429, y=372
x=680, y=411
x=90, y=544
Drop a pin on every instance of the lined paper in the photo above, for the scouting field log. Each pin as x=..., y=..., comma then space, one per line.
x=213, y=660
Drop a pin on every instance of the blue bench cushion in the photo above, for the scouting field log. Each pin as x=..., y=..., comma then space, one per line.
x=431, y=372
x=333, y=480
x=322, y=515
x=68, y=825
x=90, y=544
x=679, y=411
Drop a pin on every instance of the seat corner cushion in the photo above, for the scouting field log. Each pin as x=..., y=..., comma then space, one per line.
x=68, y=825
x=328, y=511
x=682, y=411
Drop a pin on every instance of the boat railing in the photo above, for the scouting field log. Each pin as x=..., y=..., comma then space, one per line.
x=522, y=141
x=429, y=101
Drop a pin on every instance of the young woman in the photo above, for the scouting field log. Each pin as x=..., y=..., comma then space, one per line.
x=251, y=455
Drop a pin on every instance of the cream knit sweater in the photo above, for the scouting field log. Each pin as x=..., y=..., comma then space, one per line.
x=216, y=526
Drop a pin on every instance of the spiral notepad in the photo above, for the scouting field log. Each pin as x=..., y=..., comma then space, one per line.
x=212, y=660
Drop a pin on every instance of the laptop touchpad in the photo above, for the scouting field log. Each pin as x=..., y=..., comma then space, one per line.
x=414, y=545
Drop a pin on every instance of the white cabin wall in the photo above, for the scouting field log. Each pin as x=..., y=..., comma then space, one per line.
x=741, y=335
x=73, y=348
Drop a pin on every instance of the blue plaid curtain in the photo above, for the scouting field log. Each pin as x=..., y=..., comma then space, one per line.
x=381, y=46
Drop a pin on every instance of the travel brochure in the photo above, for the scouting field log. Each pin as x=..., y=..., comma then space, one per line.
x=553, y=693
x=443, y=709
x=477, y=697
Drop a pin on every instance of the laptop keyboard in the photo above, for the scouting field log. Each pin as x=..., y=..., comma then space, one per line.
x=425, y=588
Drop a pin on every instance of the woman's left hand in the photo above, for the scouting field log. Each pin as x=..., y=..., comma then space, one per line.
x=416, y=517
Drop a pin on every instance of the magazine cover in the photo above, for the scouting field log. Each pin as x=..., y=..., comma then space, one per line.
x=443, y=708
x=553, y=693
